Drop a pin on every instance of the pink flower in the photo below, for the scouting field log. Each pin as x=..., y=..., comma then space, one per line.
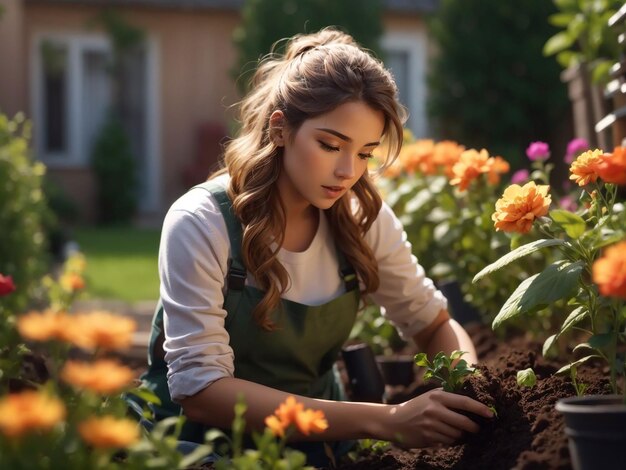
x=538, y=151
x=6, y=285
x=568, y=203
x=575, y=148
x=520, y=177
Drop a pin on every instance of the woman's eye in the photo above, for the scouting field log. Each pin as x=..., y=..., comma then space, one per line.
x=328, y=148
x=366, y=156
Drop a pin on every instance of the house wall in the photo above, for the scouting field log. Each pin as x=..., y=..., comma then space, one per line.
x=194, y=57
x=12, y=58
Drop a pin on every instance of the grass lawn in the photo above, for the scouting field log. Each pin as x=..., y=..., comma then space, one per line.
x=121, y=262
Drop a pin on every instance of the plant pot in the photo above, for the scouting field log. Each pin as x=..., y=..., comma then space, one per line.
x=596, y=429
x=397, y=370
x=459, y=309
x=366, y=381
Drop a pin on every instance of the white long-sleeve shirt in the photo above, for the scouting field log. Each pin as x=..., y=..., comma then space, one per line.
x=193, y=264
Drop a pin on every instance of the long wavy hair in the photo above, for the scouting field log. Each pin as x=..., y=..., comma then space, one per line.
x=316, y=74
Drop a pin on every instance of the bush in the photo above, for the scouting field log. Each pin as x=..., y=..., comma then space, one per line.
x=115, y=170
x=22, y=211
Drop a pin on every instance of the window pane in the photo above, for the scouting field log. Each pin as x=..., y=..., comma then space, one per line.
x=54, y=59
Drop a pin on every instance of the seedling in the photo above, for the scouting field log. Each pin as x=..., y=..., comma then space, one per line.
x=442, y=369
x=526, y=378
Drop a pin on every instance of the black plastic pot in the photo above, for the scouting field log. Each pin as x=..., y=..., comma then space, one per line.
x=397, y=370
x=460, y=310
x=596, y=429
x=366, y=381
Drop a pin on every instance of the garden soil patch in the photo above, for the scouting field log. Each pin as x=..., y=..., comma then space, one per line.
x=527, y=434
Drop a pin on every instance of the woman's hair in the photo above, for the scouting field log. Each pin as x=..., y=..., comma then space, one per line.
x=317, y=73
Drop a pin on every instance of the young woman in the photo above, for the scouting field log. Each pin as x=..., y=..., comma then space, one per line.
x=262, y=267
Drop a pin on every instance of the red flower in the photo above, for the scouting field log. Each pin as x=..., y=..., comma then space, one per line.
x=6, y=285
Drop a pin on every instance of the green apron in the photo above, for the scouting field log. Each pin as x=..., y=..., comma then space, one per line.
x=298, y=357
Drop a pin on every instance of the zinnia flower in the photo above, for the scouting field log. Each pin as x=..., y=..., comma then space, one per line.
x=309, y=421
x=612, y=166
x=519, y=206
x=108, y=432
x=609, y=271
x=538, y=151
x=43, y=326
x=520, y=176
x=496, y=166
x=100, y=329
x=25, y=412
x=446, y=153
x=574, y=148
x=584, y=170
x=292, y=412
x=104, y=376
x=6, y=285
x=418, y=156
x=469, y=167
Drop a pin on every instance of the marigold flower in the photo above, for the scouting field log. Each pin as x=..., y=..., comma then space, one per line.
x=612, y=166
x=100, y=329
x=495, y=167
x=72, y=282
x=104, y=376
x=25, y=412
x=538, y=151
x=470, y=166
x=43, y=326
x=445, y=154
x=609, y=271
x=309, y=421
x=584, y=170
x=109, y=432
x=418, y=156
x=276, y=425
x=288, y=410
x=519, y=206
x=6, y=285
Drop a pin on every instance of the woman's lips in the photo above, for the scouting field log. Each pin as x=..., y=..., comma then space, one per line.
x=333, y=191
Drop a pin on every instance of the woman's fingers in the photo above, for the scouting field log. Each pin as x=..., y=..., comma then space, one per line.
x=461, y=402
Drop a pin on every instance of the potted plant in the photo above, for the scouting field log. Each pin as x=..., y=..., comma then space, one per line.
x=590, y=277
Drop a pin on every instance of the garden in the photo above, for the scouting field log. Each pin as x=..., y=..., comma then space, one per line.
x=531, y=255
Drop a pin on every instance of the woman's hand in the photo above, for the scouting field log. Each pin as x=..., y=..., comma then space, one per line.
x=432, y=419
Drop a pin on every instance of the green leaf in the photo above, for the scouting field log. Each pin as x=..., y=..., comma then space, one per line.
x=561, y=20
x=516, y=254
x=573, y=224
x=576, y=316
x=195, y=456
x=457, y=354
x=558, y=42
x=421, y=360
x=548, y=344
x=600, y=71
x=566, y=369
x=557, y=281
x=526, y=378
x=601, y=340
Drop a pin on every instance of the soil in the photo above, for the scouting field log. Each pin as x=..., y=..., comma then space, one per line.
x=527, y=434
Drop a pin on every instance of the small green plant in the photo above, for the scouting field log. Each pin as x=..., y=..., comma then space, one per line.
x=526, y=378
x=443, y=369
x=580, y=387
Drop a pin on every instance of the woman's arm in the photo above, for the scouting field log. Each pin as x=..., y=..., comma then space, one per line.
x=423, y=421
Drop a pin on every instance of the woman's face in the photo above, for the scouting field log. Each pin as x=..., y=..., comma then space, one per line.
x=328, y=154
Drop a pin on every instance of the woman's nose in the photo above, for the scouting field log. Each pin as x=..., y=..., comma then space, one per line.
x=345, y=166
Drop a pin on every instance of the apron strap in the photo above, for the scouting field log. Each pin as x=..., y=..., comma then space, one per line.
x=347, y=272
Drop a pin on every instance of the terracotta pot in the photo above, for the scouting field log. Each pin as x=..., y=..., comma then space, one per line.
x=596, y=429
x=397, y=370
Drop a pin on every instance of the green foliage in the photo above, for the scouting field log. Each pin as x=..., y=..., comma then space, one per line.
x=442, y=369
x=490, y=85
x=526, y=378
x=266, y=21
x=585, y=37
x=22, y=211
x=115, y=170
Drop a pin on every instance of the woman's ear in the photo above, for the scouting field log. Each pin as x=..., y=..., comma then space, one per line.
x=277, y=129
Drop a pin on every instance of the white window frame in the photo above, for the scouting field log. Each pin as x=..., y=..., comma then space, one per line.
x=412, y=43
x=76, y=156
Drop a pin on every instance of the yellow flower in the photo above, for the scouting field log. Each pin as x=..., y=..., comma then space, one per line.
x=584, y=169
x=109, y=432
x=100, y=329
x=28, y=411
x=103, y=376
x=519, y=206
x=72, y=282
x=609, y=271
x=42, y=326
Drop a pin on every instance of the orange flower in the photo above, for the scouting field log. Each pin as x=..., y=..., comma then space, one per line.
x=584, y=170
x=446, y=154
x=495, y=167
x=276, y=425
x=519, y=206
x=609, y=271
x=309, y=421
x=612, y=166
x=43, y=326
x=418, y=156
x=103, y=376
x=72, y=282
x=108, y=432
x=101, y=329
x=288, y=410
x=21, y=413
x=469, y=167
